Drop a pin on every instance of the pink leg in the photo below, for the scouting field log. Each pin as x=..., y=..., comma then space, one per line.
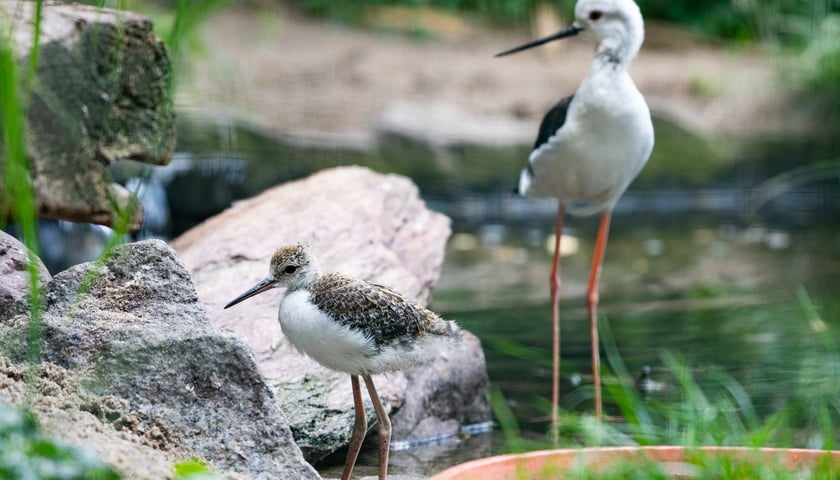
x=359, y=430
x=554, y=280
x=592, y=305
x=384, y=428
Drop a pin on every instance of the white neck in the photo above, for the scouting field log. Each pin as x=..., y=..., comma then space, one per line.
x=609, y=58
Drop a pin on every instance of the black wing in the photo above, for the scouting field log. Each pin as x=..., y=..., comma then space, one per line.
x=553, y=120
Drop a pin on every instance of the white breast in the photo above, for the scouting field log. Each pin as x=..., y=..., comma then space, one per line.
x=606, y=140
x=343, y=349
x=313, y=333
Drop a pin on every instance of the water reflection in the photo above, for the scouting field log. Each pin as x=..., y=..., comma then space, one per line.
x=64, y=244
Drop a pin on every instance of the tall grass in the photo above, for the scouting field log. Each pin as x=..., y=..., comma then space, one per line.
x=721, y=415
x=18, y=203
x=727, y=417
x=18, y=200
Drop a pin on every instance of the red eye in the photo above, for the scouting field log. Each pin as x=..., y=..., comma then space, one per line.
x=595, y=15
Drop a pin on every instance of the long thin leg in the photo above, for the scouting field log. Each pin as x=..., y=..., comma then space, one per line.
x=384, y=428
x=359, y=430
x=592, y=304
x=554, y=280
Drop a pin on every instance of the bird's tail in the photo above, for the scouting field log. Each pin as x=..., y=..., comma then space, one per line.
x=450, y=329
x=525, y=180
x=456, y=332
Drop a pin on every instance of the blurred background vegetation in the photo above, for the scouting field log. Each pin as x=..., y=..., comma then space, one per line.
x=744, y=20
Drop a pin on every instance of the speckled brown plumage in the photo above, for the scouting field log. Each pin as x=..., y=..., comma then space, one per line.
x=383, y=314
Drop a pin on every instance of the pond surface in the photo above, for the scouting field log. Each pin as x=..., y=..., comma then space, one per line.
x=719, y=295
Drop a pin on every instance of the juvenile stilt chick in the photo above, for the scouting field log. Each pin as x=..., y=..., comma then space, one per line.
x=352, y=326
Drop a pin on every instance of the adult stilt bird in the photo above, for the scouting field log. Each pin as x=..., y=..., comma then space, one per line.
x=590, y=146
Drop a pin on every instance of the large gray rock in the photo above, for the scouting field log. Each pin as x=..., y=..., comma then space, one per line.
x=136, y=331
x=101, y=93
x=362, y=223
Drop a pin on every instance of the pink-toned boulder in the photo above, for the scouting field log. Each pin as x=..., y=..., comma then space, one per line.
x=362, y=223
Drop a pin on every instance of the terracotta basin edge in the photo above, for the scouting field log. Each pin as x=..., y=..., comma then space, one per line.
x=513, y=466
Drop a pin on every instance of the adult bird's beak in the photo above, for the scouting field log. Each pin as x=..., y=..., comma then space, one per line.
x=567, y=32
x=266, y=284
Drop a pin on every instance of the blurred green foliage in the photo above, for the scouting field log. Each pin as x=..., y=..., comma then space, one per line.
x=501, y=11
x=25, y=453
x=819, y=64
x=745, y=20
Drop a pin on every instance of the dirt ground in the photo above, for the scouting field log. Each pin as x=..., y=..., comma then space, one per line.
x=302, y=76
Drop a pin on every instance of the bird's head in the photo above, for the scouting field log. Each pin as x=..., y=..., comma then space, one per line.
x=292, y=266
x=617, y=26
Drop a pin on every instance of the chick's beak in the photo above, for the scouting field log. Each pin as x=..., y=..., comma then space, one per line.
x=266, y=284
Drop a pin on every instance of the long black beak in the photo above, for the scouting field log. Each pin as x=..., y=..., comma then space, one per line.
x=266, y=284
x=567, y=32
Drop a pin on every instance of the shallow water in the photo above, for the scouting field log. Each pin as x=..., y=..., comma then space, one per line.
x=719, y=295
